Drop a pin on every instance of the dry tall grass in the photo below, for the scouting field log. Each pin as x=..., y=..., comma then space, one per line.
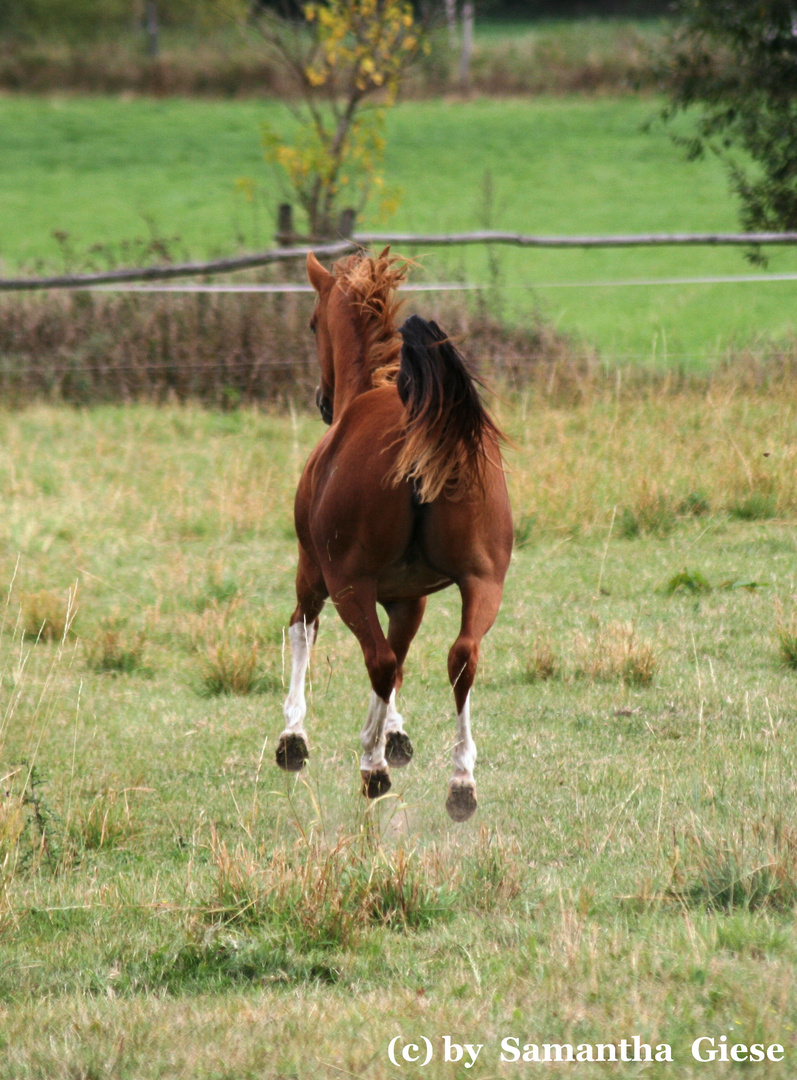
x=638, y=451
x=87, y=348
x=324, y=892
x=615, y=652
x=230, y=349
x=553, y=59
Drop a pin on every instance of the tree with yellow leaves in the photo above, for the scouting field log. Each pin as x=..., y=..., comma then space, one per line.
x=348, y=60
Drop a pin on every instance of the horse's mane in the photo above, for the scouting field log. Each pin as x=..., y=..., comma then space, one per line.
x=371, y=283
x=446, y=423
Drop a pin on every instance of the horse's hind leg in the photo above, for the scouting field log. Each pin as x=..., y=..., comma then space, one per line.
x=480, y=602
x=356, y=604
x=405, y=617
x=292, y=749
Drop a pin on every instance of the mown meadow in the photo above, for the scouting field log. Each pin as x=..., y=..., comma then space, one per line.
x=173, y=905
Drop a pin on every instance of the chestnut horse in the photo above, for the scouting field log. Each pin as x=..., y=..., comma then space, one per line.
x=403, y=496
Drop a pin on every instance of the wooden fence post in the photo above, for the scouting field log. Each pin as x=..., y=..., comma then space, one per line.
x=346, y=226
x=285, y=234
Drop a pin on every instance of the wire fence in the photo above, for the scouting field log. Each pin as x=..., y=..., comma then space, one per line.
x=286, y=288
x=86, y=341
x=285, y=255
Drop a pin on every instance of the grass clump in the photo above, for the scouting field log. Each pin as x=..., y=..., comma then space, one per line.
x=757, y=506
x=13, y=823
x=47, y=615
x=753, y=869
x=29, y=828
x=694, y=504
x=116, y=650
x=651, y=514
x=542, y=663
x=318, y=894
x=237, y=653
x=233, y=666
x=494, y=875
x=616, y=653
x=326, y=895
x=107, y=822
x=786, y=630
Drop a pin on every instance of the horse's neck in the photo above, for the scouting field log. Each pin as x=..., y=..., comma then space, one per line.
x=352, y=373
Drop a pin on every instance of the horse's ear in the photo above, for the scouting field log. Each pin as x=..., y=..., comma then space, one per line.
x=320, y=279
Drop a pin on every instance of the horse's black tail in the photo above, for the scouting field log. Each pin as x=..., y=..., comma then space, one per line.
x=446, y=423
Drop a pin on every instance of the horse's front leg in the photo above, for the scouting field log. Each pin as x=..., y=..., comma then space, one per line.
x=292, y=751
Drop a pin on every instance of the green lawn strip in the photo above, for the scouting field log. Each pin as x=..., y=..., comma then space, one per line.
x=122, y=174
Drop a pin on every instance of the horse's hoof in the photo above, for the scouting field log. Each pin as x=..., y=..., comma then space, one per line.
x=461, y=802
x=398, y=749
x=375, y=783
x=292, y=753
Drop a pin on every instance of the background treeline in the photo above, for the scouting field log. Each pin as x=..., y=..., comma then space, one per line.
x=217, y=49
x=76, y=20
x=81, y=19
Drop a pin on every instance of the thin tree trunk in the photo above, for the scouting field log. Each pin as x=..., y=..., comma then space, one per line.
x=451, y=20
x=468, y=19
x=152, y=29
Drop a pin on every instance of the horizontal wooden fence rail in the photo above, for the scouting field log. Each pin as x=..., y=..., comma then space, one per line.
x=361, y=240
x=175, y=270
x=517, y=239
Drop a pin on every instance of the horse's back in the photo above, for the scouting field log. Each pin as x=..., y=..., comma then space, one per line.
x=355, y=521
x=345, y=502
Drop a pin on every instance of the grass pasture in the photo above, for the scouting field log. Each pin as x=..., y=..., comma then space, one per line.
x=115, y=178
x=172, y=906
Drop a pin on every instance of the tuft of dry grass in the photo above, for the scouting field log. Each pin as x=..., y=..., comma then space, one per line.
x=328, y=893
x=47, y=615
x=786, y=632
x=650, y=513
x=30, y=832
x=237, y=653
x=542, y=662
x=232, y=667
x=494, y=875
x=615, y=653
x=753, y=868
x=115, y=650
x=107, y=822
x=13, y=823
x=325, y=894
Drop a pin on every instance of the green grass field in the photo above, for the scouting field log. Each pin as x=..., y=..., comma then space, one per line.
x=171, y=905
x=113, y=171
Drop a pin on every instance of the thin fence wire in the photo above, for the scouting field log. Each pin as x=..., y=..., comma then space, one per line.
x=361, y=240
x=453, y=286
x=263, y=366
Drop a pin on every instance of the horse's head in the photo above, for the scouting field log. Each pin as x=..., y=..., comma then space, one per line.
x=354, y=325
